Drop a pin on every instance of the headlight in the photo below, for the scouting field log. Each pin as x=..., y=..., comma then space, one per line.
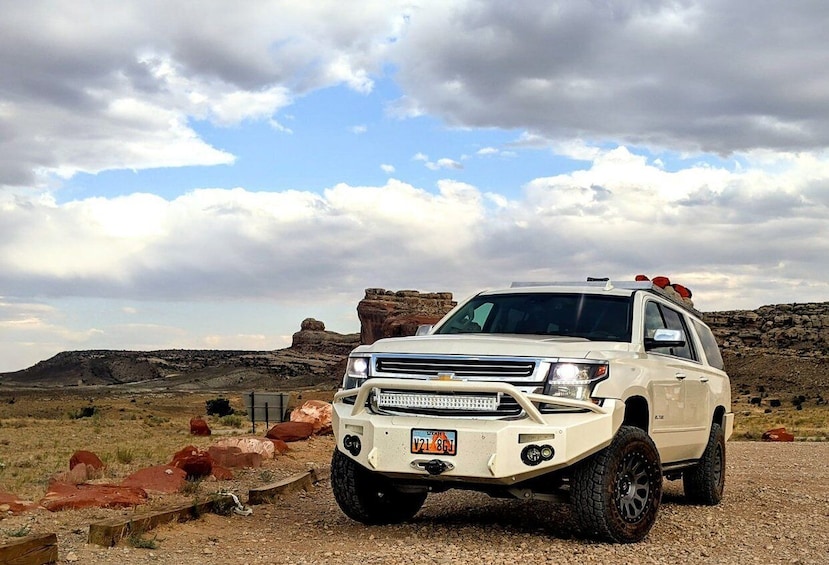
x=356, y=372
x=574, y=380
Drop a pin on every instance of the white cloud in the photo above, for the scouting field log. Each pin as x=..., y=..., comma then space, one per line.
x=674, y=75
x=359, y=129
x=81, y=96
x=386, y=168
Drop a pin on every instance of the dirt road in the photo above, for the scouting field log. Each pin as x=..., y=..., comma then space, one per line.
x=775, y=510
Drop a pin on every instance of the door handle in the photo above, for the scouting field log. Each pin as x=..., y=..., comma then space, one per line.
x=703, y=379
x=680, y=376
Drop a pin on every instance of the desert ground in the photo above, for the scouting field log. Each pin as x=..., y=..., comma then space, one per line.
x=775, y=510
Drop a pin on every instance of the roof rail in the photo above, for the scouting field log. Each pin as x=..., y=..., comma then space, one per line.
x=609, y=285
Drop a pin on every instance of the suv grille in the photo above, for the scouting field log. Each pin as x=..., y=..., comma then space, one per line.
x=520, y=372
x=500, y=369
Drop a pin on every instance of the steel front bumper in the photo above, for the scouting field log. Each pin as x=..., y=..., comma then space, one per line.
x=487, y=450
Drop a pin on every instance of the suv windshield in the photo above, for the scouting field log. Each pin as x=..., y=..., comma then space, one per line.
x=588, y=316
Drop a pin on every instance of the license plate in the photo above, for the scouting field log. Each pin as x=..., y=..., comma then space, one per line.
x=434, y=442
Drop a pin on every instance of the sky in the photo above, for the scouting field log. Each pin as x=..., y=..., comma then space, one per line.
x=206, y=174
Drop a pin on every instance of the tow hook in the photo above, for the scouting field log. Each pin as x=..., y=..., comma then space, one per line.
x=433, y=466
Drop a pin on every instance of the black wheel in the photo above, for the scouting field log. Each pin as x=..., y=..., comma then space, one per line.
x=616, y=492
x=704, y=482
x=368, y=497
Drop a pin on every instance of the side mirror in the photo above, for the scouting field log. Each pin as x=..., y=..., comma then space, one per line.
x=424, y=329
x=664, y=337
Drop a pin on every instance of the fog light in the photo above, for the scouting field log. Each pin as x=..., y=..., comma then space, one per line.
x=531, y=455
x=547, y=452
x=352, y=444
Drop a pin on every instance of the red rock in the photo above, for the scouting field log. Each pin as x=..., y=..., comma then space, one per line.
x=234, y=457
x=291, y=431
x=63, y=496
x=777, y=434
x=15, y=504
x=88, y=458
x=160, y=478
x=78, y=474
x=315, y=412
x=222, y=474
x=193, y=461
x=280, y=446
x=198, y=427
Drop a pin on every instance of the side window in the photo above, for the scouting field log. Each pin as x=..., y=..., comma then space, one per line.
x=709, y=346
x=677, y=322
x=653, y=318
x=658, y=316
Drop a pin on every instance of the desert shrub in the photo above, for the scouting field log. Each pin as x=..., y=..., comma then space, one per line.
x=138, y=541
x=232, y=421
x=124, y=455
x=218, y=407
x=191, y=486
x=20, y=532
x=83, y=412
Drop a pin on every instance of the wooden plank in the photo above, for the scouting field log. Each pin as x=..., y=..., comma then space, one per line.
x=32, y=550
x=267, y=493
x=109, y=532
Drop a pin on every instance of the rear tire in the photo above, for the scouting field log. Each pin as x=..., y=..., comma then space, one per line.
x=705, y=481
x=369, y=497
x=616, y=493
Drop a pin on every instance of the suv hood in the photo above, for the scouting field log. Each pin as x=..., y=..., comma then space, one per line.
x=496, y=345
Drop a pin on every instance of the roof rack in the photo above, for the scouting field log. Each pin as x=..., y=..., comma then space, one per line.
x=610, y=285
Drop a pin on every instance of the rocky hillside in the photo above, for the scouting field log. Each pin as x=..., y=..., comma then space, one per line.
x=781, y=350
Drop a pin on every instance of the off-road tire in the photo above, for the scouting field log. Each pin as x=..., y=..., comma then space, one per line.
x=368, y=497
x=616, y=492
x=705, y=481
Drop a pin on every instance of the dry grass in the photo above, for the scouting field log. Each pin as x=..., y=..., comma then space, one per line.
x=40, y=432
x=810, y=424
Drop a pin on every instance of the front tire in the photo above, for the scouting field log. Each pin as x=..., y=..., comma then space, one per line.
x=368, y=497
x=704, y=482
x=616, y=493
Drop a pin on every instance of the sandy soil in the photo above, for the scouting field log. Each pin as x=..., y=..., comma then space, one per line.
x=775, y=510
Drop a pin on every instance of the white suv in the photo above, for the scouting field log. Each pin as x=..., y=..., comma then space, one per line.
x=581, y=392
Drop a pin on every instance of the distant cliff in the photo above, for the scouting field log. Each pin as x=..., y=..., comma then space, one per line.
x=783, y=349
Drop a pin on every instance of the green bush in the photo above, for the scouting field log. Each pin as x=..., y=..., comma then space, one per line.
x=218, y=407
x=232, y=421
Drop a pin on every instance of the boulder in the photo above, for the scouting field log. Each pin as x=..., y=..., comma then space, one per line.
x=233, y=457
x=291, y=431
x=198, y=427
x=95, y=467
x=263, y=447
x=223, y=474
x=777, y=434
x=196, y=463
x=80, y=473
x=315, y=412
x=159, y=478
x=63, y=496
x=12, y=503
x=280, y=447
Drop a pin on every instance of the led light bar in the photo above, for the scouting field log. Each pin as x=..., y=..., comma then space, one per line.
x=437, y=401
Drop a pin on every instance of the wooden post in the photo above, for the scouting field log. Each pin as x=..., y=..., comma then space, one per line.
x=32, y=550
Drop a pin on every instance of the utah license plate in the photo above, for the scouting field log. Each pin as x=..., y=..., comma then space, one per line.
x=434, y=442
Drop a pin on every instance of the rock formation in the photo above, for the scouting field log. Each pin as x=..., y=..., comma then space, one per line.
x=312, y=337
x=385, y=313
x=793, y=329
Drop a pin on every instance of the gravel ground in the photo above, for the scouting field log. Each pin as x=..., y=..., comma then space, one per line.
x=775, y=510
